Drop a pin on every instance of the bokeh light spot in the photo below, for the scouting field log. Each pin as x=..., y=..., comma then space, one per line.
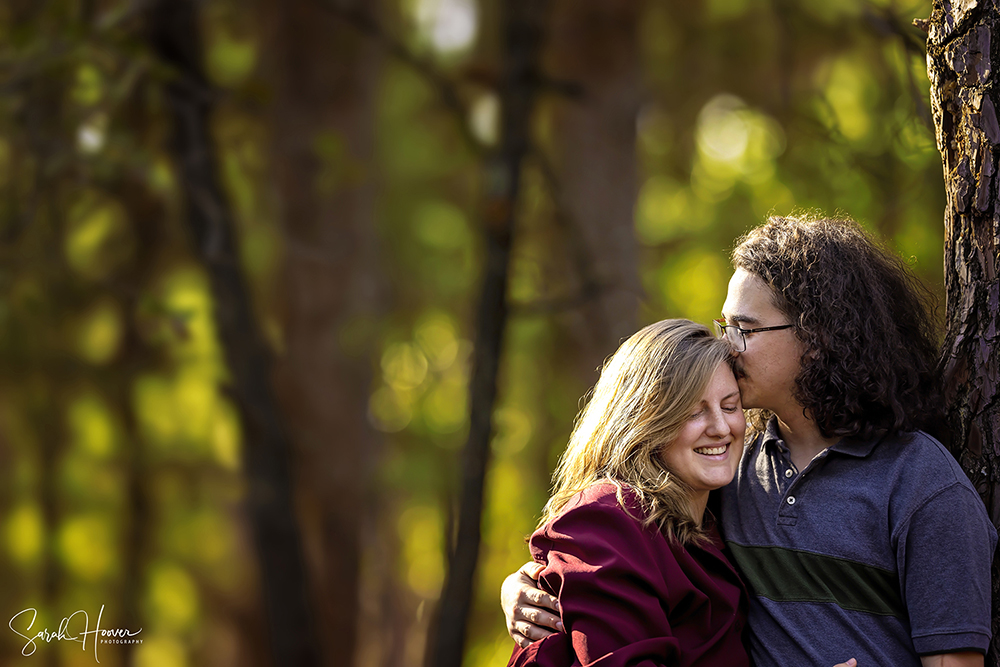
x=160, y=652
x=173, y=597
x=389, y=411
x=450, y=25
x=91, y=426
x=100, y=333
x=24, y=533
x=421, y=532
x=696, y=285
x=404, y=366
x=86, y=546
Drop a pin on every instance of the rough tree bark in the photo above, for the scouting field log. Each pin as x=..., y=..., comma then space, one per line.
x=962, y=47
x=324, y=78
x=595, y=44
x=522, y=28
x=173, y=34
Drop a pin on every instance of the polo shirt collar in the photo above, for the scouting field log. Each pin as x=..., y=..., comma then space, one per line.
x=772, y=436
x=849, y=446
x=856, y=447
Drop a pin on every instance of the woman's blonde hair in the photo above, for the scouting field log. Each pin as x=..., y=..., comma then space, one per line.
x=645, y=394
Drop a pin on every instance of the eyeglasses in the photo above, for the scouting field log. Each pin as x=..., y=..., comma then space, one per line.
x=738, y=337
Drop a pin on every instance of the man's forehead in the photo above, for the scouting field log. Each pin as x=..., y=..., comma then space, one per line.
x=748, y=299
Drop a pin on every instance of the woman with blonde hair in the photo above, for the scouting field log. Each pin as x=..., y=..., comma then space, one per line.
x=627, y=544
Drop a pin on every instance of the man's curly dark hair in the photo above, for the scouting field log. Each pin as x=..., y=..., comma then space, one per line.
x=867, y=322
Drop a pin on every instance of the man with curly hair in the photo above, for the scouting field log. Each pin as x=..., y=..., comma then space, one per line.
x=854, y=529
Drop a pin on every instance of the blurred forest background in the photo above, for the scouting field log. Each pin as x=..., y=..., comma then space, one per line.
x=246, y=247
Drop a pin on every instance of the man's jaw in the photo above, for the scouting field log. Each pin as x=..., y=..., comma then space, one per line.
x=747, y=396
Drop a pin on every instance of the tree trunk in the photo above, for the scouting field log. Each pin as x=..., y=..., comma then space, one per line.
x=595, y=44
x=323, y=74
x=522, y=27
x=133, y=357
x=47, y=145
x=173, y=33
x=960, y=64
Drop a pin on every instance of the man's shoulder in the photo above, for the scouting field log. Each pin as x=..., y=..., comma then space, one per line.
x=911, y=465
x=918, y=456
x=920, y=474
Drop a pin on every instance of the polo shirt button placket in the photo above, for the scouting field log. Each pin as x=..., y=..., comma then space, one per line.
x=787, y=514
x=782, y=462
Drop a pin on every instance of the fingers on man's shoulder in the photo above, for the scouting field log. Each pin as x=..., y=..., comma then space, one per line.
x=531, y=632
x=532, y=569
x=540, y=598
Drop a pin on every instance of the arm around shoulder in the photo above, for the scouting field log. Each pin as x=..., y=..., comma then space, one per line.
x=530, y=612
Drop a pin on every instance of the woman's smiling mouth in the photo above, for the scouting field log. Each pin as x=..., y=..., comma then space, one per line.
x=712, y=451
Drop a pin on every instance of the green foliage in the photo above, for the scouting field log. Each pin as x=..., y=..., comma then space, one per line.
x=113, y=379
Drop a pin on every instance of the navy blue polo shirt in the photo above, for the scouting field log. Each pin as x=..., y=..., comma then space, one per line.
x=878, y=550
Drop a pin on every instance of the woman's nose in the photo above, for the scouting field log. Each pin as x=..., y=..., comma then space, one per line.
x=717, y=424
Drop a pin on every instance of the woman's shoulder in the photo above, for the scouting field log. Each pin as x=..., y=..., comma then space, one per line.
x=594, y=528
x=601, y=511
x=606, y=496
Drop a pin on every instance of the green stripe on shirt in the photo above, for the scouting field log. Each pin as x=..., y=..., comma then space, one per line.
x=788, y=575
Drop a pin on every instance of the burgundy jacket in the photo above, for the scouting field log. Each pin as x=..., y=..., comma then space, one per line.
x=631, y=597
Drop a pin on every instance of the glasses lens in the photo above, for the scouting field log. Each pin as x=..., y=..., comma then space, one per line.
x=736, y=339
x=720, y=329
x=732, y=334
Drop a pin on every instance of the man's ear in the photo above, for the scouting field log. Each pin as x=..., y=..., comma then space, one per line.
x=812, y=352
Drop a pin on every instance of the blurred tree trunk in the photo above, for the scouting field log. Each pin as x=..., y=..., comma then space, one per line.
x=324, y=77
x=522, y=27
x=964, y=102
x=149, y=221
x=173, y=32
x=45, y=135
x=595, y=44
x=51, y=436
x=46, y=142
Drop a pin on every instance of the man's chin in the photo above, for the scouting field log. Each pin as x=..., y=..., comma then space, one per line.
x=747, y=396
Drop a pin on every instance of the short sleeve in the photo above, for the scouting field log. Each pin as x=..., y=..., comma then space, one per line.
x=603, y=566
x=944, y=552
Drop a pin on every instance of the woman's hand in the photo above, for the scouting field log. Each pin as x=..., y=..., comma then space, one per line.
x=850, y=663
x=528, y=608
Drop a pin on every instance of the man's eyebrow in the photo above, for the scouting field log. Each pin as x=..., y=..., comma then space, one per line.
x=741, y=319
